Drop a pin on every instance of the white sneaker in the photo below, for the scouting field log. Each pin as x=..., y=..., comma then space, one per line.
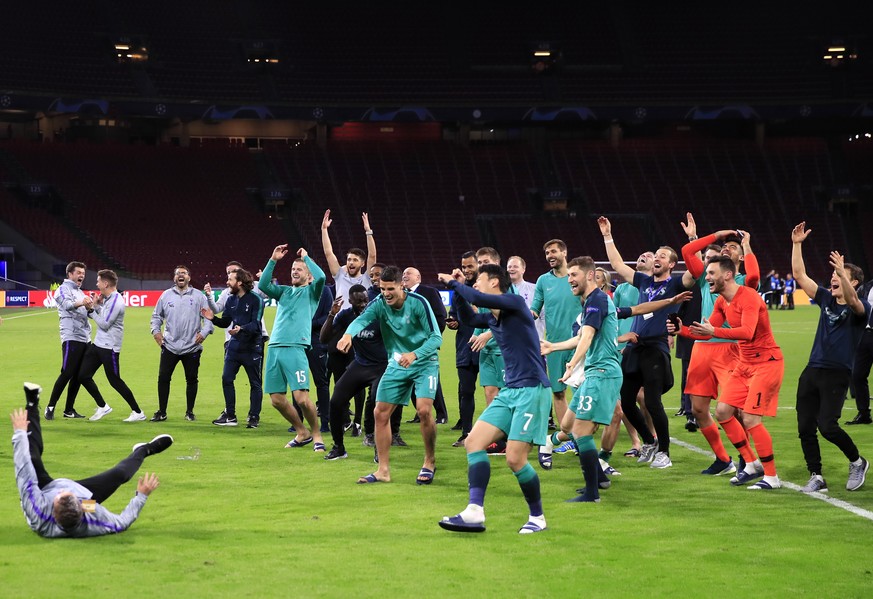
x=135, y=417
x=608, y=470
x=647, y=452
x=768, y=483
x=534, y=524
x=662, y=460
x=100, y=412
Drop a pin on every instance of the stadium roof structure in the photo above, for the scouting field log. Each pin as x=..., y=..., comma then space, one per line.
x=621, y=60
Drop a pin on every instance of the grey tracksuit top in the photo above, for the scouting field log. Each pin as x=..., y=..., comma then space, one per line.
x=109, y=318
x=73, y=321
x=37, y=503
x=180, y=314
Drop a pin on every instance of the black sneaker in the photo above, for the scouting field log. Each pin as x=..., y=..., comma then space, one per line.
x=72, y=414
x=415, y=420
x=156, y=445
x=460, y=442
x=691, y=425
x=253, y=422
x=158, y=417
x=225, y=420
x=336, y=453
x=861, y=418
x=458, y=426
x=31, y=394
x=369, y=441
x=190, y=417
x=356, y=430
x=442, y=420
x=397, y=441
x=497, y=448
x=552, y=426
x=49, y=413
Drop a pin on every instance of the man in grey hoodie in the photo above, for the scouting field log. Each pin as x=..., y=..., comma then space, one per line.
x=60, y=507
x=73, y=307
x=178, y=311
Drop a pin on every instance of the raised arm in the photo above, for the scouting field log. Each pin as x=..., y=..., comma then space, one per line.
x=798, y=268
x=753, y=270
x=850, y=294
x=327, y=328
x=265, y=283
x=691, y=274
x=332, y=263
x=371, y=242
x=615, y=259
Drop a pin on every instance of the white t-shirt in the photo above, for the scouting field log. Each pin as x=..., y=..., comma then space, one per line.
x=526, y=290
x=344, y=282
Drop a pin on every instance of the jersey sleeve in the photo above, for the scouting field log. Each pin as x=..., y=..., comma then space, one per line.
x=266, y=285
x=689, y=254
x=370, y=314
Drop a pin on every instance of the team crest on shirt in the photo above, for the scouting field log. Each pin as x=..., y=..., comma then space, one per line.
x=834, y=318
x=591, y=309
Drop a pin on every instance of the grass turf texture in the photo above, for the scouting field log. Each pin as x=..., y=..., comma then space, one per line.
x=249, y=518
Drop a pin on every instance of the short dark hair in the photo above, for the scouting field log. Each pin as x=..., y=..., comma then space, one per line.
x=233, y=263
x=378, y=265
x=357, y=288
x=725, y=263
x=732, y=238
x=561, y=245
x=359, y=253
x=244, y=278
x=674, y=257
x=467, y=255
x=68, y=512
x=74, y=265
x=108, y=275
x=391, y=274
x=714, y=247
x=854, y=272
x=495, y=271
x=490, y=252
x=584, y=263
x=183, y=267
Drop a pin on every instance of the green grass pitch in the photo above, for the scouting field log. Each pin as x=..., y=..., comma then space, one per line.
x=249, y=518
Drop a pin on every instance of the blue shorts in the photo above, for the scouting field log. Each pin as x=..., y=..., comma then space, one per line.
x=556, y=365
x=492, y=371
x=596, y=397
x=397, y=382
x=286, y=367
x=522, y=413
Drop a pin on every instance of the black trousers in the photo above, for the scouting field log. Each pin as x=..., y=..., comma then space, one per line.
x=370, y=419
x=820, y=396
x=101, y=356
x=861, y=372
x=72, y=354
x=338, y=363
x=318, y=368
x=103, y=485
x=169, y=361
x=252, y=363
x=649, y=368
x=467, y=395
x=355, y=380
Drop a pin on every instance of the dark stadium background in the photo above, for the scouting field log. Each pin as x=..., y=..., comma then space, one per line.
x=138, y=136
